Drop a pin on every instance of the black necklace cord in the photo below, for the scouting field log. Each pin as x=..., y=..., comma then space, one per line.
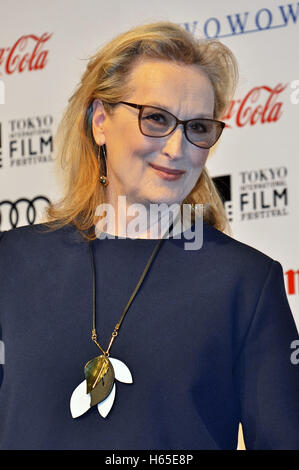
x=117, y=326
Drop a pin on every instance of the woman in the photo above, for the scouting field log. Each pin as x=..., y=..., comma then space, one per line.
x=119, y=342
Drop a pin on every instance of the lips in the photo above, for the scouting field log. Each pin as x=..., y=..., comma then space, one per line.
x=167, y=170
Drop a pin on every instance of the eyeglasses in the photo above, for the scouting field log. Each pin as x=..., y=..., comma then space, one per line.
x=157, y=122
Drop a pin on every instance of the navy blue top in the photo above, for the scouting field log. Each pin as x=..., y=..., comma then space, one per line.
x=207, y=340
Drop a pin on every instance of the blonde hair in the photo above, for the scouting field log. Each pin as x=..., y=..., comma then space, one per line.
x=106, y=78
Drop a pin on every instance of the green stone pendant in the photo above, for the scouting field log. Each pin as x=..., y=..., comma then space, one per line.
x=99, y=374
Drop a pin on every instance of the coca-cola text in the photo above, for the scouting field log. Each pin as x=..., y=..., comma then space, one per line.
x=260, y=105
x=20, y=58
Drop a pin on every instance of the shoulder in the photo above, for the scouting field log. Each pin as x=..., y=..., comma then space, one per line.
x=38, y=232
x=229, y=246
x=255, y=279
x=230, y=258
x=37, y=240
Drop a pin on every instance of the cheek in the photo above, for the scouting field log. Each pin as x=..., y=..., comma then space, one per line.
x=201, y=158
x=124, y=147
x=130, y=156
x=198, y=160
x=142, y=149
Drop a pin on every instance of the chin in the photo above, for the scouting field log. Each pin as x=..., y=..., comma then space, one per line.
x=165, y=198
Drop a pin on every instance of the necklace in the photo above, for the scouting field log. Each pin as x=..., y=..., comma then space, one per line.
x=99, y=386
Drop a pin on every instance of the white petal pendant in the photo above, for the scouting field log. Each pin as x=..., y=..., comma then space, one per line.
x=80, y=400
x=105, y=406
x=121, y=371
x=96, y=389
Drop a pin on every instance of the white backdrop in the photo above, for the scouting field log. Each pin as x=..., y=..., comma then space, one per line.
x=44, y=48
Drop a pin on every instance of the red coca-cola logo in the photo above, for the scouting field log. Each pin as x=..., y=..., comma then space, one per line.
x=27, y=54
x=292, y=278
x=260, y=105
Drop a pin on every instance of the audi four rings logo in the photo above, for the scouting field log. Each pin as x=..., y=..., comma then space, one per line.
x=21, y=212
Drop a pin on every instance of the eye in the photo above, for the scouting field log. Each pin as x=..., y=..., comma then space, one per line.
x=155, y=117
x=198, y=127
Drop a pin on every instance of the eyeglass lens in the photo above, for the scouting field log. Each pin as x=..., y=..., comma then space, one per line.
x=158, y=123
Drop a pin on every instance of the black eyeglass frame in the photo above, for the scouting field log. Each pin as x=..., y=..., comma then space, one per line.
x=178, y=121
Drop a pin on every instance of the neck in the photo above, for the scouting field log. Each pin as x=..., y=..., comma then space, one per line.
x=138, y=220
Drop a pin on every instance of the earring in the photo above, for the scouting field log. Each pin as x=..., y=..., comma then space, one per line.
x=102, y=156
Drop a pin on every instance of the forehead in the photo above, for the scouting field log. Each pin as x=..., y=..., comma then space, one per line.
x=176, y=87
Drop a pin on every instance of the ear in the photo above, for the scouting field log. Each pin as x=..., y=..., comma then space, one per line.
x=98, y=117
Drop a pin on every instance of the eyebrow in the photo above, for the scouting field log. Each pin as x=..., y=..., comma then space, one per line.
x=161, y=106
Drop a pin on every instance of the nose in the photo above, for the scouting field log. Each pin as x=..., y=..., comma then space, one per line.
x=175, y=143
